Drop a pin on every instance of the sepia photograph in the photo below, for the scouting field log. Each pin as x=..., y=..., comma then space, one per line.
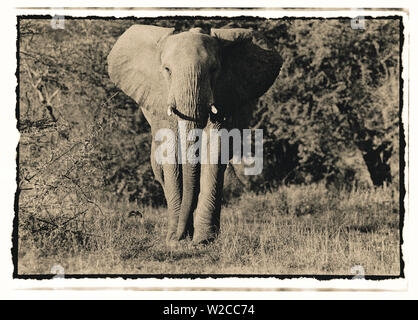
x=210, y=146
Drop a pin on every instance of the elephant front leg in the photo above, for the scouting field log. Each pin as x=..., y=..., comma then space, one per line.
x=172, y=192
x=207, y=216
x=168, y=176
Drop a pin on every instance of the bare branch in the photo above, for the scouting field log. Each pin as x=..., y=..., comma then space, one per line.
x=41, y=90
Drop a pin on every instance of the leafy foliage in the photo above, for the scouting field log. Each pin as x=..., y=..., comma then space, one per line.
x=338, y=90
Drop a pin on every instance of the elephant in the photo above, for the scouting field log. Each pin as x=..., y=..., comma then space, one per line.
x=207, y=80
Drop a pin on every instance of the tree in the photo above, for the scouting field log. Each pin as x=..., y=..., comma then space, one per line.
x=338, y=90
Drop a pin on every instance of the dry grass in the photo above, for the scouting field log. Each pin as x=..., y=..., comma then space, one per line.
x=295, y=230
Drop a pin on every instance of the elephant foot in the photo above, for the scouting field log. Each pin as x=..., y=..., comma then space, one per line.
x=182, y=245
x=204, y=239
x=174, y=242
x=187, y=234
x=205, y=234
x=173, y=245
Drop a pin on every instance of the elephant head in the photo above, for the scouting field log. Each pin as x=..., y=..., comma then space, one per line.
x=202, y=81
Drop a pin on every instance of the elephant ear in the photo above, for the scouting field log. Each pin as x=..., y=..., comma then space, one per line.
x=248, y=71
x=134, y=64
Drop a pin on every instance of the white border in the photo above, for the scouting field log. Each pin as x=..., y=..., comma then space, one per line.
x=112, y=288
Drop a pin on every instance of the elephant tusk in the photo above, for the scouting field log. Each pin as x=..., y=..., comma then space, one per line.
x=213, y=109
x=170, y=111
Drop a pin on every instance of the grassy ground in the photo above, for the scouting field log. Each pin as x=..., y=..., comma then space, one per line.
x=295, y=230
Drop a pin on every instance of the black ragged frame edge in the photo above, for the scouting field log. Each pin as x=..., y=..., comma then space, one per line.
x=402, y=163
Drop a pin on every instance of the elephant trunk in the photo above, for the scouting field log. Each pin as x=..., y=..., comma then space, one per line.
x=191, y=99
x=190, y=170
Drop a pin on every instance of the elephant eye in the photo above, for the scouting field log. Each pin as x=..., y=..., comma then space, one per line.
x=167, y=69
